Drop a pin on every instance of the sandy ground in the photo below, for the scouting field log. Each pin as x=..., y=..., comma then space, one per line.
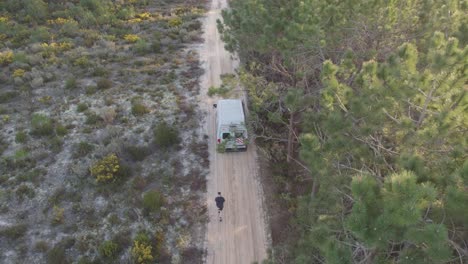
x=241, y=237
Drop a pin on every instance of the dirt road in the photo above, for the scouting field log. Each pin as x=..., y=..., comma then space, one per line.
x=241, y=237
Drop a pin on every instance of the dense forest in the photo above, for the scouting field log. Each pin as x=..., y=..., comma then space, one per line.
x=361, y=109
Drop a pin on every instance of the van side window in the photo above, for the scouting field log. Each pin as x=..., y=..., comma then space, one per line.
x=226, y=135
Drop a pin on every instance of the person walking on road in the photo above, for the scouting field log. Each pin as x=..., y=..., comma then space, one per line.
x=220, y=204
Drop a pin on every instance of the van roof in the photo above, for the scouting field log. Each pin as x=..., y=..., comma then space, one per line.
x=230, y=111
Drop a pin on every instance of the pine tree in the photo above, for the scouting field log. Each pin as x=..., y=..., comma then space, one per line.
x=398, y=131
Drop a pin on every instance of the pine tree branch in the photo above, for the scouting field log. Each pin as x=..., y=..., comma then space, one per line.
x=391, y=117
x=426, y=103
x=345, y=194
x=342, y=106
x=462, y=253
x=302, y=165
x=268, y=138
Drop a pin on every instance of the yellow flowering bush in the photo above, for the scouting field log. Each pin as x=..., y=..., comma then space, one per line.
x=141, y=251
x=135, y=20
x=132, y=38
x=18, y=73
x=58, y=215
x=175, y=22
x=197, y=11
x=59, y=21
x=54, y=47
x=3, y=19
x=82, y=62
x=64, y=46
x=106, y=169
x=6, y=57
x=144, y=16
x=46, y=99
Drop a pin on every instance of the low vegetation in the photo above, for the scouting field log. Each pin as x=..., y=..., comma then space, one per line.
x=165, y=135
x=94, y=96
x=153, y=201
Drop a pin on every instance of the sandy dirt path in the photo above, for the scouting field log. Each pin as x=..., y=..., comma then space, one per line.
x=241, y=237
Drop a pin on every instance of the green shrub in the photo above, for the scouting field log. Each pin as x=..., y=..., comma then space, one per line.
x=7, y=96
x=82, y=149
x=193, y=25
x=139, y=109
x=100, y=71
x=70, y=83
x=41, y=246
x=126, y=13
x=21, y=154
x=124, y=172
x=90, y=37
x=24, y=191
x=57, y=196
x=137, y=153
x=57, y=255
x=139, y=183
x=21, y=137
x=21, y=34
x=169, y=77
x=91, y=90
x=108, y=249
x=33, y=176
x=88, y=19
x=3, y=145
x=42, y=125
x=14, y=232
x=92, y=118
x=122, y=238
x=55, y=144
x=95, y=6
x=70, y=29
x=165, y=136
x=82, y=62
x=156, y=46
x=103, y=84
x=12, y=6
x=222, y=90
x=40, y=34
x=81, y=107
x=114, y=220
x=153, y=201
x=61, y=130
x=36, y=9
x=141, y=47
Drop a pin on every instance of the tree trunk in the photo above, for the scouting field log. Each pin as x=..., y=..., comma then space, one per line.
x=291, y=137
x=315, y=187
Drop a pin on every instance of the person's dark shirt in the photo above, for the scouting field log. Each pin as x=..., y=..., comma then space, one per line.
x=219, y=201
